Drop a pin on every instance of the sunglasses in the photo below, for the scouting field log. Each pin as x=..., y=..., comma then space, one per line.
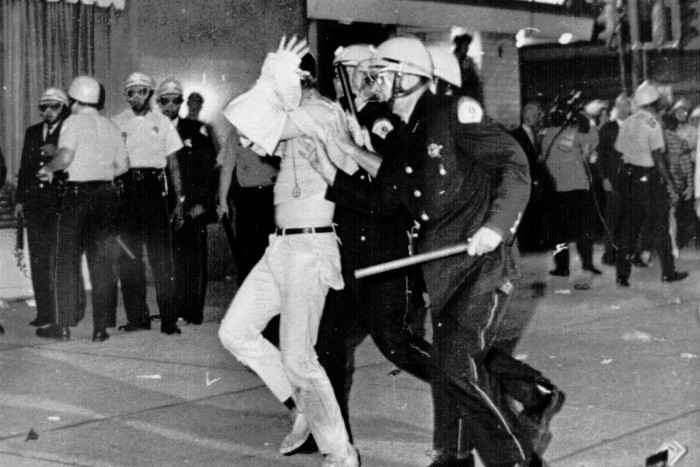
x=170, y=100
x=141, y=92
x=54, y=107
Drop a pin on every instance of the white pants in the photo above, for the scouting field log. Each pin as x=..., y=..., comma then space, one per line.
x=292, y=279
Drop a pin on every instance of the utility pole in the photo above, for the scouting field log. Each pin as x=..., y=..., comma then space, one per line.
x=635, y=43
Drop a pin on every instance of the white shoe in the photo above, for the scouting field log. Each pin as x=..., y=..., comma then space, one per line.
x=347, y=457
x=298, y=436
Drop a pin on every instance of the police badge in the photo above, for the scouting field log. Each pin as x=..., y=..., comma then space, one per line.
x=434, y=150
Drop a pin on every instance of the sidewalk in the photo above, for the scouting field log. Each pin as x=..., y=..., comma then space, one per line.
x=627, y=359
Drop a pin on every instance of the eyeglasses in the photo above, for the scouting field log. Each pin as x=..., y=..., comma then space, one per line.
x=54, y=107
x=170, y=100
x=141, y=92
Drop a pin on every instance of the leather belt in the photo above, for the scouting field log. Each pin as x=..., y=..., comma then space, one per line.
x=139, y=174
x=304, y=230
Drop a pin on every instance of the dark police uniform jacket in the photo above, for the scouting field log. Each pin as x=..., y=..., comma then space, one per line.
x=196, y=162
x=31, y=191
x=453, y=178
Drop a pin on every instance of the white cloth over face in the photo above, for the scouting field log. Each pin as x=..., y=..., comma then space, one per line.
x=261, y=113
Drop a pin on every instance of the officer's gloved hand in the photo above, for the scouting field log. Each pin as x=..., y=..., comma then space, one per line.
x=178, y=219
x=485, y=240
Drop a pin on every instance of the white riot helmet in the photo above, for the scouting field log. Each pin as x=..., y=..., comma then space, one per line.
x=54, y=95
x=351, y=55
x=646, y=94
x=405, y=55
x=170, y=86
x=445, y=64
x=85, y=90
x=139, y=79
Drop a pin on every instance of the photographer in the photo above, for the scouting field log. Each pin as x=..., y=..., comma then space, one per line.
x=569, y=144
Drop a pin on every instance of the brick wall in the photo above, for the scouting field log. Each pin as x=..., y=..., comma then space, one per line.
x=501, y=78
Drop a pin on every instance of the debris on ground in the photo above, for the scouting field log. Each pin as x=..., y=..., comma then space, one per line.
x=521, y=357
x=149, y=376
x=636, y=336
x=31, y=436
x=688, y=355
x=607, y=361
x=563, y=291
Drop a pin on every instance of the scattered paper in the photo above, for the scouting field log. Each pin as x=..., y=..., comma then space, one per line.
x=606, y=361
x=614, y=307
x=677, y=300
x=521, y=357
x=636, y=336
x=688, y=355
x=563, y=291
x=54, y=418
x=149, y=376
x=211, y=381
x=675, y=451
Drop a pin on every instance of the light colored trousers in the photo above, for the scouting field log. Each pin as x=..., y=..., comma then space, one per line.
x=292, y=279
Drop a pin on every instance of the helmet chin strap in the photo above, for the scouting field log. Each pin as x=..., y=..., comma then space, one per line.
x=396, y=90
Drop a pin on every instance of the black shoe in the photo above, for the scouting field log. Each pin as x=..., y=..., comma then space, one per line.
x=170, y=329
x=131, y=327
x=674, y=276
x=54, y=332
x=559, y=272
x=100, y=336
x=591, y=268
x=623, y=282
x=307, y=447
x=39, y=322
x=638, y=262
x=445, y=459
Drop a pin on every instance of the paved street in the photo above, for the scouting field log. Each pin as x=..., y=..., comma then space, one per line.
x=627, y=359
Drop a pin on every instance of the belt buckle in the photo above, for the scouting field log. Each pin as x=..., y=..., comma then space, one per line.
x=137, y=175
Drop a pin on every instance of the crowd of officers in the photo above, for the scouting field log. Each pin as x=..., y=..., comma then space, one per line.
x=415, y=166
x=112, y=189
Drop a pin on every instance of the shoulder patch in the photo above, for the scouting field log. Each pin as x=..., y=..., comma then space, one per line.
x=203, y=131
x=469, y=111
x=382, y=127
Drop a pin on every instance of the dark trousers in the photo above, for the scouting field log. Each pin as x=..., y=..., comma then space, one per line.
x=255, y=220
x=146, y=222
x=41, y=223
x=470, y=381
x=190, y=255
x=380, y=306
x=573, y=219
x=644, y=201
x=87, y=224
x=687, y=224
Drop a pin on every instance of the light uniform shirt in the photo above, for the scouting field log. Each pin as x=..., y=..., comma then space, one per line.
x=252, y=170
x=638, y=138
x=149, y=138
x=567, y=157
x=97, y=144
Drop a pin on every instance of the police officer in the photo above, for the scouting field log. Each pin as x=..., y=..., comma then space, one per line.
x=253, y=178
x=609, y=166
x=464, y=180
x=196, y=163
x=383, y=306
x=37, y=200
x=92, y=152
x=152, y=142
x=645, y=184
